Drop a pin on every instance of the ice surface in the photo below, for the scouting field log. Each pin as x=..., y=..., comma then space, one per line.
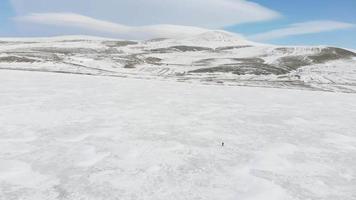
x=72, y=137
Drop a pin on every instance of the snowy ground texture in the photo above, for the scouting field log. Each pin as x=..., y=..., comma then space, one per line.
x=76, y=137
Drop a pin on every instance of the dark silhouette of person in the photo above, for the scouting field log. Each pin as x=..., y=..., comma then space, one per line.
x=222, y=144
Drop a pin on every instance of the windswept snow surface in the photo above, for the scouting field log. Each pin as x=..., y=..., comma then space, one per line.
x=73, y=137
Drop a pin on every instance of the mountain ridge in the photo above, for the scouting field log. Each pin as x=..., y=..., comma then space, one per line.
x=214, y=57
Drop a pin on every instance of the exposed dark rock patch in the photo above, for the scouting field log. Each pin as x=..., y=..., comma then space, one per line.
x=249, y=60
x=331, y=53
x=65, y=50
x=112, y=50
x=180, y=49
x=130, y=65
x=130, y=61
x=254, y=66
x=232, y=47
x=152, y=60
x=14, y=59
x=242, y=69
x=190, y=48
x=209, y=61
x=36, y=56
x=290, y=63
x=119, y=43
x=324, y=55
x=203, y=62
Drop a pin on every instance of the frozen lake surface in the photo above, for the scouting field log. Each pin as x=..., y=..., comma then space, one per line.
x=72, y=137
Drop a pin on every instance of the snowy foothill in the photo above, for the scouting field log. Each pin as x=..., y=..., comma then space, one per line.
x=211, y=57
x=76, y=137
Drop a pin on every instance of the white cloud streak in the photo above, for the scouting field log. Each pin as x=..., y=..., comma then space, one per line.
x=310, y=27
x=202, y=13
x=127, y=32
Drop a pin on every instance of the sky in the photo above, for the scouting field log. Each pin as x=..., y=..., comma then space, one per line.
x=299, y=22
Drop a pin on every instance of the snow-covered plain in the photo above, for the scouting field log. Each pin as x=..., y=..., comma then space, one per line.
x=76, y=137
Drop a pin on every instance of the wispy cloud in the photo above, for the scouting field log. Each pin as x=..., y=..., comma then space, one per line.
x=202, y=13
x=310, y=27
x=102, y=26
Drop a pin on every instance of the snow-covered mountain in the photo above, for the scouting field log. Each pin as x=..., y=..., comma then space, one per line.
x=215, y=57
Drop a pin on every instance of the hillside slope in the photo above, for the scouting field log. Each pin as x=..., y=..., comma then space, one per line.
x=215, y=57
